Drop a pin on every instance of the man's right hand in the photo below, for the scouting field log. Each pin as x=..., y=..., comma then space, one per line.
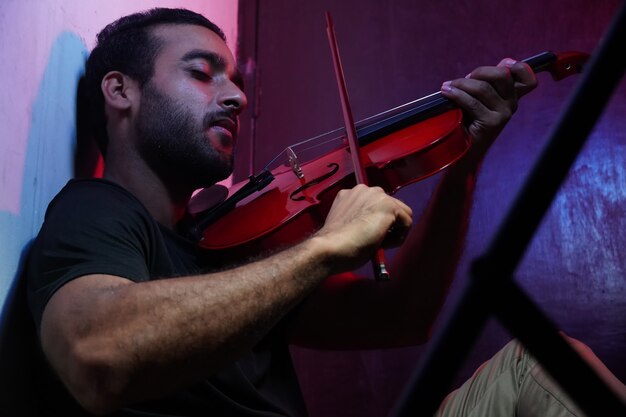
x=360, y=221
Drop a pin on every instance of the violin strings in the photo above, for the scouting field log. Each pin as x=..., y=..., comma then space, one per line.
x=361, y=122
x=304, y=142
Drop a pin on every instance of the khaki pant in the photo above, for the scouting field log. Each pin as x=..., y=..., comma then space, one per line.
x=511, y=384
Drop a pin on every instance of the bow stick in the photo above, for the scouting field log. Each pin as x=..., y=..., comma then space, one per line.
x=379, y=262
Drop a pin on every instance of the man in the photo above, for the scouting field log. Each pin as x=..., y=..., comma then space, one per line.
x=123, y=338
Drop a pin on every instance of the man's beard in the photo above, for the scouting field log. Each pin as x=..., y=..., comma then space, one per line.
x=175, y=145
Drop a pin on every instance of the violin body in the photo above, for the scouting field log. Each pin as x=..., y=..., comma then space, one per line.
x=291, y=208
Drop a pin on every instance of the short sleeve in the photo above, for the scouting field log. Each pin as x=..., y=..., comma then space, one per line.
x=91, y=227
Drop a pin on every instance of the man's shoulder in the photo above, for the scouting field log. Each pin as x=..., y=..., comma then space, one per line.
x=82, y=197
x=93, y=189
x=89, y=210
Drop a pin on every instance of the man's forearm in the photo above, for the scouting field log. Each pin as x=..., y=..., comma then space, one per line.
x=142, y=340
x=426, y=264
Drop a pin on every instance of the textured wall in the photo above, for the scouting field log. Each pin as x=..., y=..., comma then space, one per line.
x=396, y=51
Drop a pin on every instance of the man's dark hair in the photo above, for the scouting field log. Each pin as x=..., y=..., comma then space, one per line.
x=127, y=45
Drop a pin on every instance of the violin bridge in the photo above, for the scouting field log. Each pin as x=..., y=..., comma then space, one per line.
x=294, y=163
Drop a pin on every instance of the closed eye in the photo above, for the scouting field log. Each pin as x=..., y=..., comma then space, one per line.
x=200, y=75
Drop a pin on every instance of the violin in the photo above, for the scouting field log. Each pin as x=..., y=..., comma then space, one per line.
x=280, y=206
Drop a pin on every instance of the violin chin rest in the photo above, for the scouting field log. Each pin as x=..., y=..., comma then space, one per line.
x=206, y=198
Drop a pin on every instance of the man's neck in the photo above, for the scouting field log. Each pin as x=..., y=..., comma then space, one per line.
x=167, y=204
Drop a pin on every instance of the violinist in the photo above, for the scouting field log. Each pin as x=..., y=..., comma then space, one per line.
x=132, y=323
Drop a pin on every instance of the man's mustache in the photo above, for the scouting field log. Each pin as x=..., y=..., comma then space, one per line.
x=222, y=118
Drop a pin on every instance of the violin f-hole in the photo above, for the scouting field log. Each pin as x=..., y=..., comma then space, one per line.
x=334, y=167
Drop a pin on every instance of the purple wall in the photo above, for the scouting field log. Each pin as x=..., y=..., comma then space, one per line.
x=397, y=51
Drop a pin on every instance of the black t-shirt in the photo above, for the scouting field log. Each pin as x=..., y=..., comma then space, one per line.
x=97, y=227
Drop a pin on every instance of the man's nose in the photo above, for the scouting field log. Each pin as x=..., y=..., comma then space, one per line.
x=233, y=99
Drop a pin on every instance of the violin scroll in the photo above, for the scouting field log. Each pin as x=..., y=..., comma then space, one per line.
x=560, y=65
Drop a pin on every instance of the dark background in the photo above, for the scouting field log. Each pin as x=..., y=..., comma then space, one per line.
x=397, y=51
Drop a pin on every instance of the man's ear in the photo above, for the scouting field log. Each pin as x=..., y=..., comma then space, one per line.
x=119, y=90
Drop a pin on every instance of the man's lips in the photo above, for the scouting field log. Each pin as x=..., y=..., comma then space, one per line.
x=226, y=125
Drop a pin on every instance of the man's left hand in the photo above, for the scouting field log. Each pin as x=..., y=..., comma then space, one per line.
x=488, y=97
